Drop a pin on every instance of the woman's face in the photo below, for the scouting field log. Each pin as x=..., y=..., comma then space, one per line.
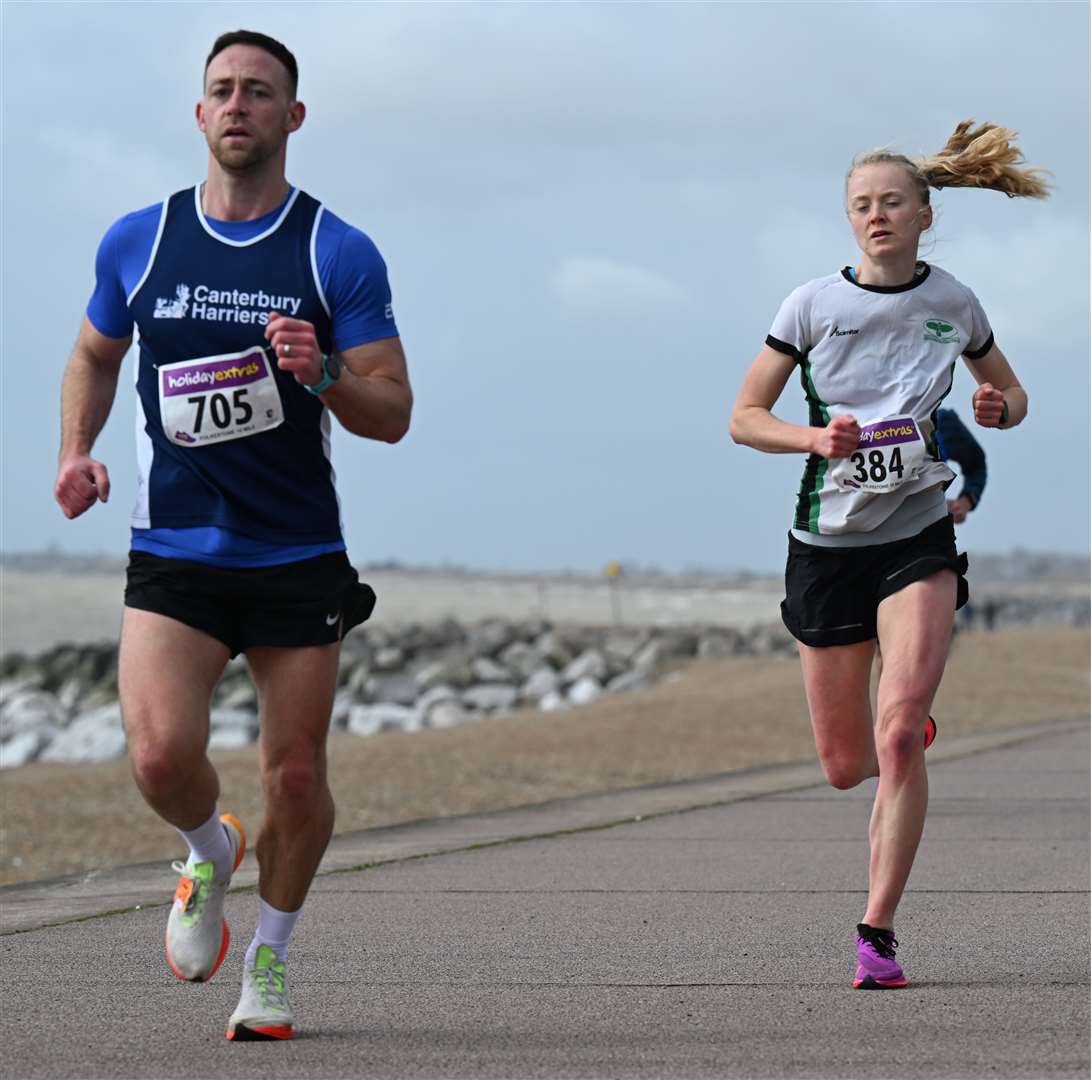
x=885, y=211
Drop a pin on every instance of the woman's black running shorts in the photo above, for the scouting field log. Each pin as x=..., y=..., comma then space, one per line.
x=833, y=594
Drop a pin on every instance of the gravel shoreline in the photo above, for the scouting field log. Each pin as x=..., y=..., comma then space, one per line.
x=714, y=716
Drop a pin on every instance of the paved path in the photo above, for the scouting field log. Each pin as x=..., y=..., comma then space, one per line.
x=705, y=933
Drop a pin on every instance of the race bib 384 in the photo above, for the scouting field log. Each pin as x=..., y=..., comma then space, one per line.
x=889, y=453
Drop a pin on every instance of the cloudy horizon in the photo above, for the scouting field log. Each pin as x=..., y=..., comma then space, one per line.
x=590, y=213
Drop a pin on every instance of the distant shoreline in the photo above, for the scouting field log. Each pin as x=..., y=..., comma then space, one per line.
x=1017, y=565
x=50, y=598
x=45, y=608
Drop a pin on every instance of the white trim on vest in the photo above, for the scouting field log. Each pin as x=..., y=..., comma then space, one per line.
x=327, y=449
x=145, y=452
x=314, y=261
x=154, y=251
x=241, y=243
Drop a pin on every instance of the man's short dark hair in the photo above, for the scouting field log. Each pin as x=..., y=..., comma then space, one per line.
x=261, y=41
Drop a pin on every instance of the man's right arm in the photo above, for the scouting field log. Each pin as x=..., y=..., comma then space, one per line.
x=87, y=394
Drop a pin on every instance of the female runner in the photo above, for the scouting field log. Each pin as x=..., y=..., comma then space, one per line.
x=871, y=554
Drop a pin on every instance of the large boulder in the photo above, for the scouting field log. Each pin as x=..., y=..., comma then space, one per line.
x=717, y=644
x=490, y=697
x=24, y=748
x=650, y=657
x=371, y=719
x=454, y=670
x=395, y=689
x=552, y=649
x=620, y=647
x=487, y=670
x=446, y=714
x=240, y=694
x=521, y=659
x=541, y=681
x=772, y=639
x=490, y=638
x=27, y=677
x=339, y=714
x=584, y=691
x=232, y=728
x=629, y=680
x=31, y=710
x=92, y=736
x=355, y=684
x=554, y=701
x=590, y=664
x=434, y=696
x=388, y=658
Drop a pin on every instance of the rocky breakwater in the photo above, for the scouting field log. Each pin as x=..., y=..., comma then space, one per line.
x=61, y=706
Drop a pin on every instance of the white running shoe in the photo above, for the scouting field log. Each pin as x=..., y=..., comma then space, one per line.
x=197, y=934
x=264, y=1011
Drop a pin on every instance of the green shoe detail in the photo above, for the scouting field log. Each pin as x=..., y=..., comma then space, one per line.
x=269, y=975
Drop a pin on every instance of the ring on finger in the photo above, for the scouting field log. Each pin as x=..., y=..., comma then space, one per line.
x=286, y=348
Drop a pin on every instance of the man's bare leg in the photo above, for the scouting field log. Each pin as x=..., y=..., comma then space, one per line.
x=295, y=692
x=166, y=674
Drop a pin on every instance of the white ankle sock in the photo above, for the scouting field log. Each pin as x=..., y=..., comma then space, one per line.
x=209, y=843
x=274, y=929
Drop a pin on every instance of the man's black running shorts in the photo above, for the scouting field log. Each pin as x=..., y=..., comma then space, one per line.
x=312, y=602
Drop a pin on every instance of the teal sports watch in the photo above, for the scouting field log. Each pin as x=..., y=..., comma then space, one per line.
x=331, y=372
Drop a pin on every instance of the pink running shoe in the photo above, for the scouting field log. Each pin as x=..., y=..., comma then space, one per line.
x=929, y=733
x=876, y=968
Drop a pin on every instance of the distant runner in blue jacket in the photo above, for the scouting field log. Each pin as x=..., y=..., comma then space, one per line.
x=956, y=443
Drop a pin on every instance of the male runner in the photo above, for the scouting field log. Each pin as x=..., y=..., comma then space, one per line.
x=957, y=444
x=259, y=314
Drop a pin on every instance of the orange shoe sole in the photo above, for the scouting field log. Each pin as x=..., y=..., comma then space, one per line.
x=241, y=1033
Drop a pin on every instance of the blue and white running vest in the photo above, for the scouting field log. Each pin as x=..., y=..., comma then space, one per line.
x=225, y=438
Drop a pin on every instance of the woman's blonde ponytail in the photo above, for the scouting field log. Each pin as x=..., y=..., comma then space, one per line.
x=985, y=157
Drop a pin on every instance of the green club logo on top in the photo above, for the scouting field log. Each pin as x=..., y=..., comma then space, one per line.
x=938, y=330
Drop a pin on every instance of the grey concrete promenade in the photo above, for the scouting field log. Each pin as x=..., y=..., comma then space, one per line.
x=696, y=930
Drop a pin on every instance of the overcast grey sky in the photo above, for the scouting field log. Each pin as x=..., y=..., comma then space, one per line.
x=590, y=213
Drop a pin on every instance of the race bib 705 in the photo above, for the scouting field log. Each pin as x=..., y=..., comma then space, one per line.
x=217, y=398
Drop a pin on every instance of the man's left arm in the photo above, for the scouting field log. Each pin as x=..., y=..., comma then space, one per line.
x=371, y=398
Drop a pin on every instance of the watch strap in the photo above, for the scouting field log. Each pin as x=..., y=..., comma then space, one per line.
x=326, y=381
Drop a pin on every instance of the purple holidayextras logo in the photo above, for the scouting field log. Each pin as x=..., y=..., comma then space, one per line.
x=889, y=432
x=214, y=375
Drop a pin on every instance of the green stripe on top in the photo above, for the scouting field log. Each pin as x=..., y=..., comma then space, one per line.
x=809, y=501
x=816, y=498
x=932, y=445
